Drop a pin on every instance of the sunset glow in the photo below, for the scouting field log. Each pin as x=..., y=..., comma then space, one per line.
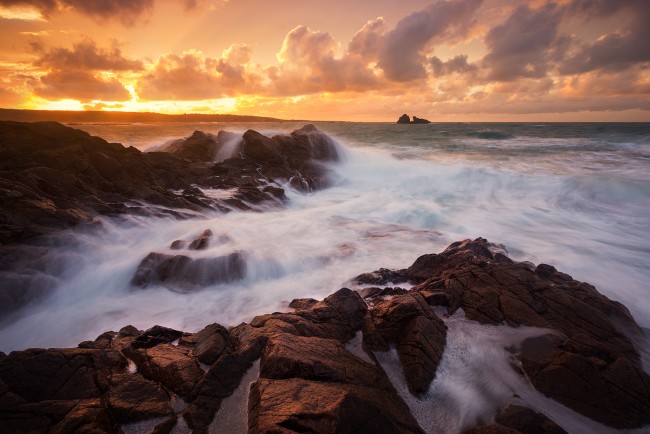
x=455, y=60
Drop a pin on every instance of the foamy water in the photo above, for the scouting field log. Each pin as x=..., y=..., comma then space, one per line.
x=575, y=197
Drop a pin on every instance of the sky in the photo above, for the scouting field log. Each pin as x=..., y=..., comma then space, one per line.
x=444, y=60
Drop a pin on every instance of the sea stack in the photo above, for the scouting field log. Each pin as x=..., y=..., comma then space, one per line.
x=405, y=119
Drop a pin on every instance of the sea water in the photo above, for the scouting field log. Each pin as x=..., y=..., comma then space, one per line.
x=576, y=196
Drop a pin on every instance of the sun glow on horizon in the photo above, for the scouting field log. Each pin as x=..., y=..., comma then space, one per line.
x=473, y=60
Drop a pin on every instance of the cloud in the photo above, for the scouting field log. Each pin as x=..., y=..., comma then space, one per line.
x=523, y=46
x=458, y=64
x=87, y=56
x=126, y=11
x=309, y=63
x=191, y=76
x=619, y=49
x=80, y=85
x=367, y=41
x=402, y=54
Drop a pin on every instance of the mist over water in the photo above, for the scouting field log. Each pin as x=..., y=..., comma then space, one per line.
x=576, y=196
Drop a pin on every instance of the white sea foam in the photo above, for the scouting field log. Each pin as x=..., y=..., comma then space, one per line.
x=476, y=379
x=584, y=211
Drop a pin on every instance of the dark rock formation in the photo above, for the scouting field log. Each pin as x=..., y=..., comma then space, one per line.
x=404, y=119
x=311, y=379
x=593, y=367
x=183, y=273
x=53, y=177
x=199, y=146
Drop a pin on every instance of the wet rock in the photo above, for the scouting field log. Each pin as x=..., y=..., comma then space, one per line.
x=311, y=358
x=299, y=405
x=169, y=365
x=528, y=421
x=66, y=374
x=420, y=336
x=210, y=343
x=183, y=273
x=383, y=276
x=202, y=241
x=199, y=146
x=154, y=336
x=132, y=398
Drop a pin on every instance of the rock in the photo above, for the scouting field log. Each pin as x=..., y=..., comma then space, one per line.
x=156, y=335
x=199, y=146
x=313, y=379
x=383, y=276
x=528, y=421
x=172, y=366
x=202, y=241
x=298, y=405
x=312, y=358
x=210, y=343
x=182, y=273
x=132, y=398
x=407, y=320
x=594, y=369
x=404, y=119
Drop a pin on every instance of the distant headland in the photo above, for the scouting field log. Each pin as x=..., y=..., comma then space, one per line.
x=104, y=116
x=405, y=119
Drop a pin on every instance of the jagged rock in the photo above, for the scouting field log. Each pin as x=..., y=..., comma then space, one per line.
x=298, y=405
x=417, y=120
x=199, y=146
x=53, y=177
x=383, y=276
x=132, y=398
x=404, y=119
x=172, y=366
x=528, y=421
x=202, y=241
x=595, y=369
x=408, y=321
x=183, y=273
x=309, y=381
x=210, y=343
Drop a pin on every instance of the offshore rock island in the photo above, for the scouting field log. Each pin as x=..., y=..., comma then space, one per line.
x=357, y=361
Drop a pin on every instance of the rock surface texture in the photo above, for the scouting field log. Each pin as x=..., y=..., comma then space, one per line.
x=318, y=371
x=54, y=177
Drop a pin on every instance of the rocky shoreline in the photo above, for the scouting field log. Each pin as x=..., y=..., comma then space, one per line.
x=53, y=178
x=316, y=368
x=320, y=366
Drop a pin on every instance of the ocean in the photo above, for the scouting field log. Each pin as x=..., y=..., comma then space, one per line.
x=574, y=195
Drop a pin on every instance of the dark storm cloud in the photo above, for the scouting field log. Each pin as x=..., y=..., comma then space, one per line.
x=86, y=55
x=401, y=55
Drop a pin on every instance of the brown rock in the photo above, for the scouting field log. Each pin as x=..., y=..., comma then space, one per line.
x=312, y=358
x=527, y=421
x=132, y=398
x=169, y=365
x=408, y=321
x=210, y=343
x=298, y=405
x=182, y=273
